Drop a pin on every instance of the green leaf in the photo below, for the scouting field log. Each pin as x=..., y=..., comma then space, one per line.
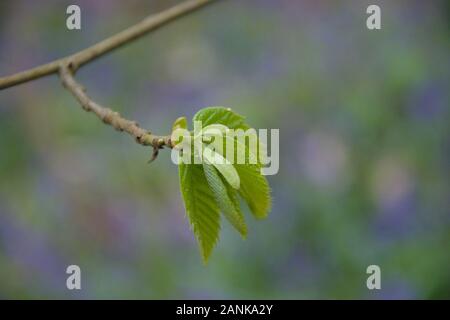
x=253, y=186
x=180, y=122
x=223, y=166
x=201, y=207
x=254, y=189
x=221, y=115
x=226, y=198
x=214, y=186
x=242, y=150
x=214, y=130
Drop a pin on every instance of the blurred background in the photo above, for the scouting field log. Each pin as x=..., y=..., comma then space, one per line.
x=365, y=151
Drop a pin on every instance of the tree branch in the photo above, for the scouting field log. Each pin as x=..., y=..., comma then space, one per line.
x=80, y=58
x=68, y=65
x=110, y=117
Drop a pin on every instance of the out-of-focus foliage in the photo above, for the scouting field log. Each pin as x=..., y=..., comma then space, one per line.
x=364, y=130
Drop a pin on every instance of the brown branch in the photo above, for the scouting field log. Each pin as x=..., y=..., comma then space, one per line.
x=80, y=58
x=68, y=65
x=110, y=117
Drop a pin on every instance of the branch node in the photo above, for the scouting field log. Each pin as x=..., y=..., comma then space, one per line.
x=157, y=143
x=154, y=155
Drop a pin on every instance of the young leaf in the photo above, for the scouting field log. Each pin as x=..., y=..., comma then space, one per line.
x=221, y=115
x=215, y=130
x=226, y=198
x=214, y=116
x=201, y=207
x=214, y=186
x=177, y=136
x=223, y=166
x=180, y=122
x=254, y=189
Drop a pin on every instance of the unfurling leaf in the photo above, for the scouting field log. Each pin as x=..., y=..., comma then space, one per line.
x=213, y=186
x=223, y=166
x=201, y=207
x=179, y=123
x=221, y=115
x=226, y=198
x=254, y=189
x=178, y=127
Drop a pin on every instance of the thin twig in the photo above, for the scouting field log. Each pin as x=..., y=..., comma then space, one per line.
x=111, y=117
x=68, y=65
x=80, y=58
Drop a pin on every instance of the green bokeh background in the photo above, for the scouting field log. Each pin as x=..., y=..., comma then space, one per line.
x=364, y=151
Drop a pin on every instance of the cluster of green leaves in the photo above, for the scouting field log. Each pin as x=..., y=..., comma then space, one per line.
x=210, y=188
